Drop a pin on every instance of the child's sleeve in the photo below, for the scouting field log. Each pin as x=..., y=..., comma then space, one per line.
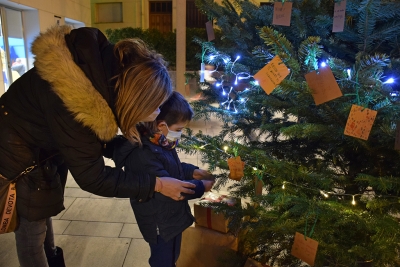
x=188, y=170
x=198, y=190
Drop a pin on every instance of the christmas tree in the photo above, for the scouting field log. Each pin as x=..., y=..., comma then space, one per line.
x=322, y=140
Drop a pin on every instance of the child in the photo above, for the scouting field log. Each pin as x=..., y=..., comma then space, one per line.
x=162, y=220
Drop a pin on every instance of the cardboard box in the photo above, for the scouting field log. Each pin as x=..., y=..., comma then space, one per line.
x=202, y=247
x=206, y=217
x=253, y=263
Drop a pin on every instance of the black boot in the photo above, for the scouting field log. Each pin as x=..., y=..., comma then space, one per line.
x=57, y=260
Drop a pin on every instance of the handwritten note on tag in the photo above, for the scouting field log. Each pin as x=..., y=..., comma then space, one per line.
x=282, y=13
x=339, y=15
x=271, y=75
x=304, y=249
x=210, y=31
x=359, y=122
x=236, y=166
x=323, y=85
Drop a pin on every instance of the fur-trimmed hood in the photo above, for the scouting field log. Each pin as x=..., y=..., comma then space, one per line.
x=55, y=64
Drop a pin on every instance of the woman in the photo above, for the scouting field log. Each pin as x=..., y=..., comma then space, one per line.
x=62, y=113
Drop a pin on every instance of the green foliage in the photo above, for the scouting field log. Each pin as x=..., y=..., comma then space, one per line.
x=165, y=43
x=285, y=139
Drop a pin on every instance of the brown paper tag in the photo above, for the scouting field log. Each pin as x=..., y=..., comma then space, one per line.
x=339, y=16
x=272, y=74
x=323, y=85
x=258, y=186
x=210, y=31
x=360, y=122
x=397, y=140
x=236, y=166
x=304, y=249
x=282, y=13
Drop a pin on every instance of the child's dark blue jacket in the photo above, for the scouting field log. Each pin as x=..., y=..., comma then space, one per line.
x=171, y=217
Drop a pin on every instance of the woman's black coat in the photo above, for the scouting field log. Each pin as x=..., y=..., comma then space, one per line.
x=64, y=106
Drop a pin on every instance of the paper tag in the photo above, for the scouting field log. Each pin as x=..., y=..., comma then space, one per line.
x=360, y=122
x=323, y=85
x=272, y=74
x=258, y=186
x=236, y=166
x=282, y=13
x=210, y=31
x=397, y=140
x=304, y=249
x=339, y=16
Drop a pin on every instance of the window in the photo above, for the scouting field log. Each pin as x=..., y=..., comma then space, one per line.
x=109, y=12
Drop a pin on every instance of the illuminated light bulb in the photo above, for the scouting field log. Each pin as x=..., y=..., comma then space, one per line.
x=223, y=92
x=324, y=194
x=353, y=201
x=283, y=185
x=390, y=80
x=225, y=148
x=323, y=64
x=212, y=57
x=256, y=83
x=226, y=60
x=218, y=84
x=242, y=100
x=237, y=57
x=202, y=68
x=254, y=168
x=349, y=73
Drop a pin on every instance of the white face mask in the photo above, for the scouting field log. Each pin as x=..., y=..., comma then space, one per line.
x=173, y=136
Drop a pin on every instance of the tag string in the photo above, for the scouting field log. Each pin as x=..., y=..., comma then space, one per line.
x=312, y=228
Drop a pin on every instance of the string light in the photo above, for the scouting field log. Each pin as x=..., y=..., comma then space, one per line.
x=324, y=194
x=225, y=148
x=353, y=201
x=283, y=185
x=389, y=81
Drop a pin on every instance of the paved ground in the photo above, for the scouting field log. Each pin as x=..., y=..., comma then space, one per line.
x=96, y=231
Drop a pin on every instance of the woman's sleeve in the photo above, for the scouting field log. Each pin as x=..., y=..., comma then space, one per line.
x=83, y=154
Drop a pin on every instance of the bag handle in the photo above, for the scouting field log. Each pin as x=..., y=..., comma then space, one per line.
x=29, y=169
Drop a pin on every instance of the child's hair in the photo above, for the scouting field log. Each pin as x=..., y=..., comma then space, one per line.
x=176, y=109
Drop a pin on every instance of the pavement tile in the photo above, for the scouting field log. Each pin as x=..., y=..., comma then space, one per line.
x=138, y=254
x=8, y=251
x=87, y=251
x=131, y=230
x=76, y=192
x=59, y=226
x=67, y=203
x=100, y=210
x=100, y=229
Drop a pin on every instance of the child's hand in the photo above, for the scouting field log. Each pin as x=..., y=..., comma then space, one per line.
x=207, y=185
x=200, y=174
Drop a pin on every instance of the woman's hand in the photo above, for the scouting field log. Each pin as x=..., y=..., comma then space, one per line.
x=173, y=188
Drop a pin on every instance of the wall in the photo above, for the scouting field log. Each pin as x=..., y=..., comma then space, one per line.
x=135, y=14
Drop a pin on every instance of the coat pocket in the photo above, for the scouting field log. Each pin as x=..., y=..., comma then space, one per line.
x=40, y=194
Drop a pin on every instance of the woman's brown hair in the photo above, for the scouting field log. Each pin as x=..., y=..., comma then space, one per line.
x=143, y=84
